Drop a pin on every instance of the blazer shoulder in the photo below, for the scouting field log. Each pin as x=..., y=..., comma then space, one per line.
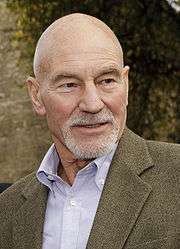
x=164, y=152
x=11, y=199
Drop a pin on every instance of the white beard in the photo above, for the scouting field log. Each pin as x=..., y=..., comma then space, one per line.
x=92, y=147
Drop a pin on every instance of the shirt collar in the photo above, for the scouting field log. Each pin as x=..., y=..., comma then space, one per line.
x=103, y=163
x=48, y=167
x=47, y=172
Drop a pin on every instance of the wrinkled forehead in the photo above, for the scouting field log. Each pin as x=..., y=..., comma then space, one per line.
x=71, y=35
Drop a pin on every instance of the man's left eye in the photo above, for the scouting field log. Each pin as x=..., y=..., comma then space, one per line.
x=108, y=81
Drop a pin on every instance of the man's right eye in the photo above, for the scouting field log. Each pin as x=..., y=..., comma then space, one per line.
x=67, y=87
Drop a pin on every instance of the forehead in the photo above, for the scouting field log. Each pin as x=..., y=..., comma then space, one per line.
x=73, y=32
x=84, y=49
x=84, y=63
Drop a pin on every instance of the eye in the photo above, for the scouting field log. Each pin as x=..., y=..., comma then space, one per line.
x=67, y=87
x=108, y=83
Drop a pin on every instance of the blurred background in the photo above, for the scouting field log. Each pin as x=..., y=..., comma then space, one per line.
x=149, y=32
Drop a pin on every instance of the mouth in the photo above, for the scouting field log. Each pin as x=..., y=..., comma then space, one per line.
x=91, y=125
x=92, y=128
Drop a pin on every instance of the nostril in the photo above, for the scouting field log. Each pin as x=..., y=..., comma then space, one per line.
x=91, y=106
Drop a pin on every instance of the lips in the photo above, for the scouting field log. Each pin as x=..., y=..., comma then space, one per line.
x=91, y=125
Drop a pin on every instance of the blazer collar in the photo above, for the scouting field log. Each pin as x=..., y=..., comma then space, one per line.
x=29, y=220
x=133, y=152
x=124, y=194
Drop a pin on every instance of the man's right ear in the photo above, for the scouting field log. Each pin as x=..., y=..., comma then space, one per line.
x=34, y=93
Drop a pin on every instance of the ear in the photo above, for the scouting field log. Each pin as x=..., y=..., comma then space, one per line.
x=34, y=93
x=125, y=79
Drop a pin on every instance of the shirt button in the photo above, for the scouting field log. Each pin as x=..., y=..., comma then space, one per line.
x=101, y=181
x=50, y=177
x=73, y=203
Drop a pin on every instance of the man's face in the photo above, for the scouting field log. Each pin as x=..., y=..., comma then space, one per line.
x=85, y=96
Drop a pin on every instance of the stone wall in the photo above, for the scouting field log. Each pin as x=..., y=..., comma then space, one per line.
x=23, y=137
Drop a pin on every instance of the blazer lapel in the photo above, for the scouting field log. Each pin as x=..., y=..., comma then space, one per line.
x=28, y=223
x=123, y=196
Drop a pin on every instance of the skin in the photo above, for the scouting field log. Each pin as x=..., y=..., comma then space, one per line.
x=79, y=71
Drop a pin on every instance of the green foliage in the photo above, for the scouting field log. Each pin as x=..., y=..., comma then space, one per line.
x=149, y=34
x=177, y=2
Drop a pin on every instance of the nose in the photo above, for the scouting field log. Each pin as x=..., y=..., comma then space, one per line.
x=91, y=100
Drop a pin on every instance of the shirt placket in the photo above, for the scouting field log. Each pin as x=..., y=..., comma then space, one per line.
x=70, y=223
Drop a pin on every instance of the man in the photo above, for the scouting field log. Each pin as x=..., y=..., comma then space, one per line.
x=99, y=185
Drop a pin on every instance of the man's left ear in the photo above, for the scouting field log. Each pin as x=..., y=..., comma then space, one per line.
x=34, y=93
x=125, y=79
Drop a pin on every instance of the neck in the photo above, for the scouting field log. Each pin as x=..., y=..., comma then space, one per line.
x=70, y=165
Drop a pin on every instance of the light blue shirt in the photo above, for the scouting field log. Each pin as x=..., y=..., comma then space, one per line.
x=71, y=210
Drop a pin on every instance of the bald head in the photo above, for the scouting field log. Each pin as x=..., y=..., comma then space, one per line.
x=75, y=31
x=81, y=86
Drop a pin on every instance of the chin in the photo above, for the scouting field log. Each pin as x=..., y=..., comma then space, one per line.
x=91, y=148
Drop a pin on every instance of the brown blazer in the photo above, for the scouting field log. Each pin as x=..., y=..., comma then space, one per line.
x=139, y=206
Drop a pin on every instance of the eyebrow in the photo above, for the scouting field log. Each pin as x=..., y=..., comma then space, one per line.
x=61, y=76
x=106, y=70
x=109, y=70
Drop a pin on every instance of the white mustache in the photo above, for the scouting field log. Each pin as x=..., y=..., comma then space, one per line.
x=105, y=116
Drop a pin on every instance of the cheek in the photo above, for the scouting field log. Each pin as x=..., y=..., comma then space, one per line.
x=117, y=103
x=58, y=110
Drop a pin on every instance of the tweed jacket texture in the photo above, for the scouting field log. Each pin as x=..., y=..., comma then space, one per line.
x=139, y=207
